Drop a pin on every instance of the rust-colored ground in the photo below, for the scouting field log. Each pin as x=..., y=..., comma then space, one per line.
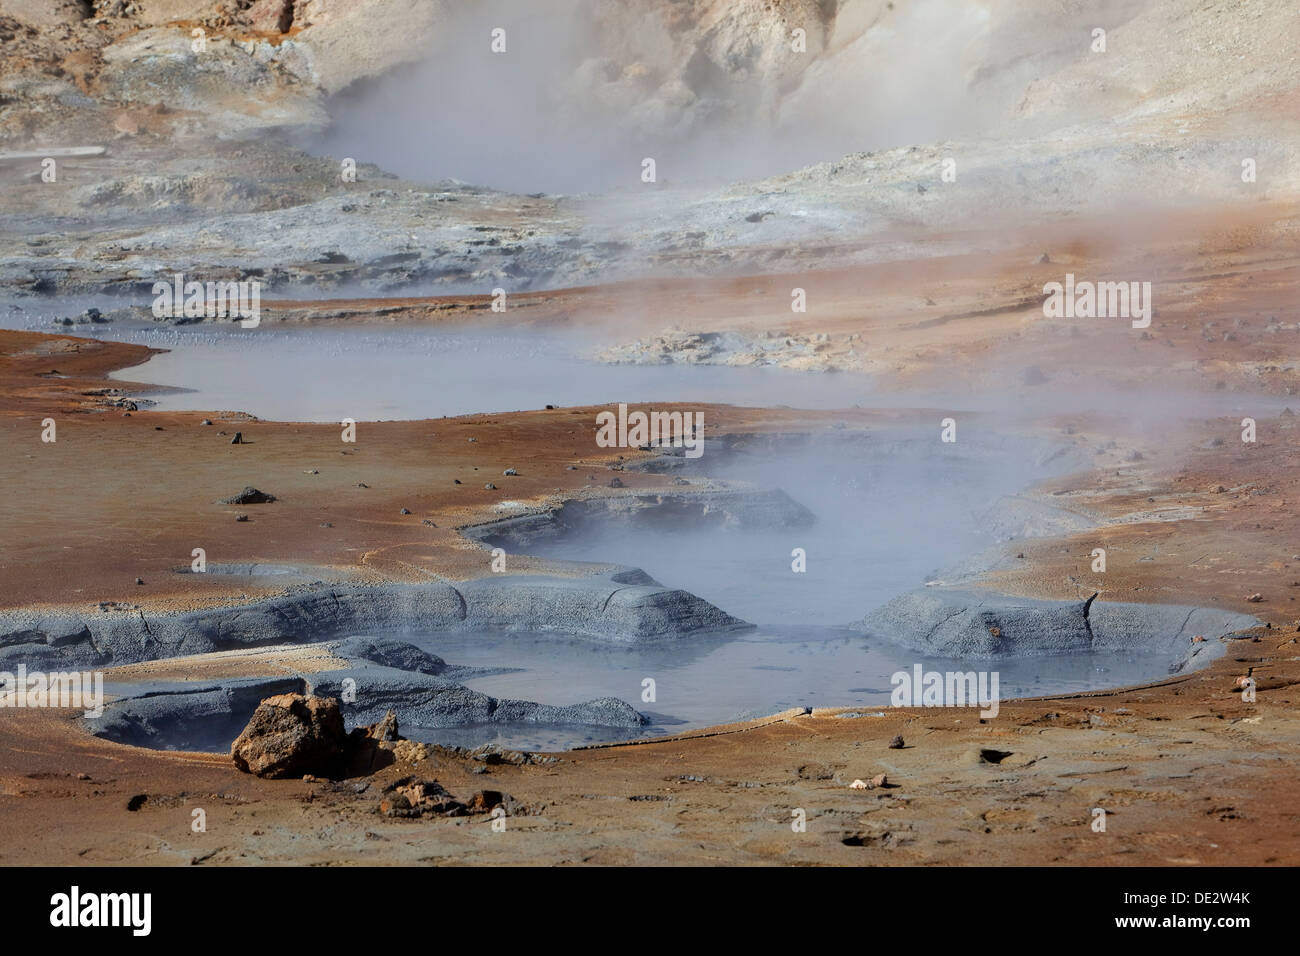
x=1189, y=773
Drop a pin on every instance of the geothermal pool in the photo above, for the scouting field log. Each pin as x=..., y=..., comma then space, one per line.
x=699, y=683
x=326, y=375
x=890, y=517
x=886, y=523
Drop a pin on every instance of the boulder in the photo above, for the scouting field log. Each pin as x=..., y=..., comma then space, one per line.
x=291, y=735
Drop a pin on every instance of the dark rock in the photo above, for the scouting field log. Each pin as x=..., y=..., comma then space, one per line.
x=897, y=743
x=485, y=801
x=249, y=496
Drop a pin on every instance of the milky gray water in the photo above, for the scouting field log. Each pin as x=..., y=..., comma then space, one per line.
x=886, y=523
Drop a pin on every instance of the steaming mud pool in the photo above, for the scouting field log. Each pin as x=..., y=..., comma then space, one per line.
x=870, y=515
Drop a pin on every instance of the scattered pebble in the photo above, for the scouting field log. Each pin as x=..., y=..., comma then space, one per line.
x=897, y=743
x=879, y=780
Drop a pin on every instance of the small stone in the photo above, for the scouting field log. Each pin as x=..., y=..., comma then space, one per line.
x=428, y=522
x=139, y=580
x=405, y=511
x=249, y=496
x=490, y=487
x=326, y=524
x=206, y=421
x=1198, y=639
x=241, y=517
x=362, y=484
x=616, y=483
x=897, y=743
x=879, y=780
x=510, y=473
x=238, y=439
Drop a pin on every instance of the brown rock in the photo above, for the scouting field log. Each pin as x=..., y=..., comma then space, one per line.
x=485, y=801
x=385, y=729
x=897, y=743
x=271, y=16
x=291, y=735
x=371, y=748
x=411, y=751
x=412, y=798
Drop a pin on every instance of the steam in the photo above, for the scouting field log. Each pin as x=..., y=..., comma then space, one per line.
x=585, y=91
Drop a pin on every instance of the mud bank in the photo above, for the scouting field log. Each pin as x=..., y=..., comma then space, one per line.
x=207, y=717
x=732, y=510
x=986, y=626
x=623, y=607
